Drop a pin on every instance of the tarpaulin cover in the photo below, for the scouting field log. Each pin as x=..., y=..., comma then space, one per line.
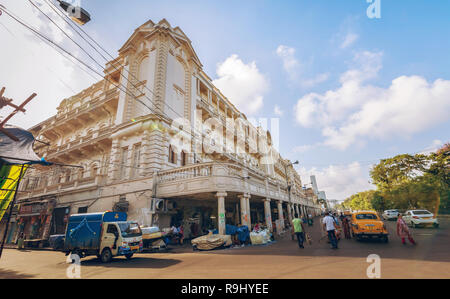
x=243, y=233
x=230, y=229
x=211, y=241
x=10, y=169
x=22, y=149
x=9, y=177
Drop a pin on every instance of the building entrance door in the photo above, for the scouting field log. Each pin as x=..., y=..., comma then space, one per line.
x=58, y=224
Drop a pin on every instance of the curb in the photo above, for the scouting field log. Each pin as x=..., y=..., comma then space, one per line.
x=31, y=249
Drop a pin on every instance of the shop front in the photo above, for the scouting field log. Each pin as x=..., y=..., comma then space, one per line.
x=34, y=220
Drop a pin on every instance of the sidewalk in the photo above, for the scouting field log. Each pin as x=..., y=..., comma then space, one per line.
x=12, y=246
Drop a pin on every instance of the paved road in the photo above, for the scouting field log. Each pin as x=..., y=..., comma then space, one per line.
x=283, y=259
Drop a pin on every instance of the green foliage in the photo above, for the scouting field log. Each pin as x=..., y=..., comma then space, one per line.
x=408, y=182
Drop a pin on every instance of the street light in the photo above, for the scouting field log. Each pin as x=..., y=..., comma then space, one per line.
x=76, y=13
x=287, y=181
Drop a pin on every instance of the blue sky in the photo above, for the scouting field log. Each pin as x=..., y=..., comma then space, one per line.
x=314, y=55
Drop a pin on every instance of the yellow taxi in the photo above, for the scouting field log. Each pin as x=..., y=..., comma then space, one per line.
x=367, y=224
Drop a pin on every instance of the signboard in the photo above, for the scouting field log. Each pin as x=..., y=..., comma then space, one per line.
x=32, y=209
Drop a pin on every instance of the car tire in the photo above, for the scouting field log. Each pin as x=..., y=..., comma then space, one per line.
x=386, y=239
x=436, y=225
x=106, y=255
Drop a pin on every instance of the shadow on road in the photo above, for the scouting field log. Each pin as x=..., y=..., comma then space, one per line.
x=135, y=262
x=432, y=245
x=10, y=274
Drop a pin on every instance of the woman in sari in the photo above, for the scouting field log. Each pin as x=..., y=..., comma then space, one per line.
x=346, y=227
x=403, y=230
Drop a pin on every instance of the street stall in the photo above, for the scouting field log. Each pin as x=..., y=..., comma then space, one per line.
x=211, y=242
x=16, y=156
x=153, y=239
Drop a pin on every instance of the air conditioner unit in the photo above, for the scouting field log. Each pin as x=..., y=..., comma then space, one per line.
x=163, y=205
x=159, y=205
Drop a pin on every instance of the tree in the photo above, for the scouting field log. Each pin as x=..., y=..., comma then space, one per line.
x=408, y=182
x=397, y=170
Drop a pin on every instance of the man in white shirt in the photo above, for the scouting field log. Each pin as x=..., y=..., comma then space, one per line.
x=329, y=226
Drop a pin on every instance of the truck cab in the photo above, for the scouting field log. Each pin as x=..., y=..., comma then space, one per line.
x=105, y=235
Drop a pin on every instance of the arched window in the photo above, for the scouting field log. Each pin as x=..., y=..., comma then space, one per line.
x=94, y=170
x=68, y=174
x=183, y=158
x=172, y=155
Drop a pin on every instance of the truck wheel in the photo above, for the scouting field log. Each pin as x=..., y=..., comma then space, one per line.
x=106, y=255
x=386, y=239
x=129, y=256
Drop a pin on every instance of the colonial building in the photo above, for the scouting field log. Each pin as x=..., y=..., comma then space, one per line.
x=157, y=139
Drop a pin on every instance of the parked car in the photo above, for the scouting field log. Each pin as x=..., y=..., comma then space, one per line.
x=390, y=214
x=416, y=218
x=57, y=242
x=367, y=224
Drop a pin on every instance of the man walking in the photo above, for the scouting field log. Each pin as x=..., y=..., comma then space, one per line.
x=299, y=230
x=330, y=226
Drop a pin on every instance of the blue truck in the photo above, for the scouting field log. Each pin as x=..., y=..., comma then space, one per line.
x=105, y=235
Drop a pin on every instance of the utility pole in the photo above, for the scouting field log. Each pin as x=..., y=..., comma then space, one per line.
x=287, y=180
x=4, y=101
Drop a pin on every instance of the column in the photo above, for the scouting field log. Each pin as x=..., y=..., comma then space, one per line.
x=249, y=220
x=244, y=212
x=296, y=210
x=113, y=168
x=268, y=214
x=280, y=212
x=221, y=212
x=289, y=209
x=122, y=96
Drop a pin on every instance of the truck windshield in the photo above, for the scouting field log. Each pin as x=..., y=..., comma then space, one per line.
x=130, y=229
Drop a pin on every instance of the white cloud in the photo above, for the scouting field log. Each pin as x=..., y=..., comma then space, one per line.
x=349, y=39
x=316, y=80
x=302, y=148
x=243, y=84
x=296, y=70
x=290, y=63
x=339, y=182
x=277, y=110
x=28, y=65
x=433, y=147
x=357, y=111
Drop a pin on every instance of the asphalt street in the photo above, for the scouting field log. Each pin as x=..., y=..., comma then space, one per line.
x=282, y=259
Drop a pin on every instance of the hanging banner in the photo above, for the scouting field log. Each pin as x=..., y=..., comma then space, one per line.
x=9, y=177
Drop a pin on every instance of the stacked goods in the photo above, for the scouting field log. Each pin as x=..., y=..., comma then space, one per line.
x=210, y=242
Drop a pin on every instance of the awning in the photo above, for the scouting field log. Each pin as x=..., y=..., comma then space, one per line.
x=29, y=215
x=18, y=152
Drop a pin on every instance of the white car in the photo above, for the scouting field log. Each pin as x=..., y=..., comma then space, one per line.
x=417, y=218
x=390, y=214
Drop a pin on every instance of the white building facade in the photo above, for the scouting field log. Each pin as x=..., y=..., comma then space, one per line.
x=157, y=139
